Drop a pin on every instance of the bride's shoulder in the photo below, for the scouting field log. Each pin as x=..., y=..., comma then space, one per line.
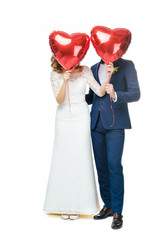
x=55, y=75
x=86, y=68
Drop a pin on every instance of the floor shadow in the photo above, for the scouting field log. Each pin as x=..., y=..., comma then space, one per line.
x=81, y=216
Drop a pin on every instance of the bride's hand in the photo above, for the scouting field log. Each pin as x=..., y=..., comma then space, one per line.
x=67, y=75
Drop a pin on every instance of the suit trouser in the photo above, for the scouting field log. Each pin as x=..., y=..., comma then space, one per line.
x=108, y=148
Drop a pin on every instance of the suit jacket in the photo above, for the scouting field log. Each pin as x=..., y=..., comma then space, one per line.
x=126, y=85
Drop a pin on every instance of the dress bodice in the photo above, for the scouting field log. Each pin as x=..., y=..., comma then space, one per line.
x=76, y=88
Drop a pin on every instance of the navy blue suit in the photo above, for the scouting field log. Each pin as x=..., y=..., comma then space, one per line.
x=108, y=140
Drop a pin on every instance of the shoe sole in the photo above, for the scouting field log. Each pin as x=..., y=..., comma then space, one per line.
x=73, y=218
x=109, y=215
x=116, y=228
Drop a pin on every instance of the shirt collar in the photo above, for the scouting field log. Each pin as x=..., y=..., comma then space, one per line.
x=102, y=62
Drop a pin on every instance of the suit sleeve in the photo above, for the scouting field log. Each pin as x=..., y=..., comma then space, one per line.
x=89, y=96
x=132, y=92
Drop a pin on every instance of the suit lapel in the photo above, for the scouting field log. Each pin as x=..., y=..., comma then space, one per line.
x=97, y=68
x=113, y=78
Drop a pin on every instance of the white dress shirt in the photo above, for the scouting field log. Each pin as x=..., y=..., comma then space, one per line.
x=102, y=74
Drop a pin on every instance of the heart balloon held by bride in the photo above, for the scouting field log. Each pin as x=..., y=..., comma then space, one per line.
x=69, y=50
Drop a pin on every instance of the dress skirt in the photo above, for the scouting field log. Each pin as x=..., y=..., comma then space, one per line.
x=71, y=185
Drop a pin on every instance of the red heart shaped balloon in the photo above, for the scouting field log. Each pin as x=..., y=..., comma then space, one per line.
x=110, y=44
x=69, y=50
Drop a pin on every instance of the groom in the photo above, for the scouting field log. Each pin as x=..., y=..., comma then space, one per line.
x=109, y=119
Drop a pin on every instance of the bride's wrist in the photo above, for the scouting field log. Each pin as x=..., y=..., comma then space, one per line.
x=65, y=82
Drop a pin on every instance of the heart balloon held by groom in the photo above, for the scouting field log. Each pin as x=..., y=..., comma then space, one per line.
x=109, y=44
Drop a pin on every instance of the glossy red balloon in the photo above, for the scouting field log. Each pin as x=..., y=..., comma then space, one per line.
x=69, y=50
x=110, y=44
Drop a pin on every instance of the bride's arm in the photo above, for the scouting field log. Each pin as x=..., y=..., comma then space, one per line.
x=103, y=88
x=60, y=93
x=100, y=90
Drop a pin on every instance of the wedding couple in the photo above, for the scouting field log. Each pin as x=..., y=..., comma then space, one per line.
x=71, y=188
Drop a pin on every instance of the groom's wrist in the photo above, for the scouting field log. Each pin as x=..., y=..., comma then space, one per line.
x=115, y=97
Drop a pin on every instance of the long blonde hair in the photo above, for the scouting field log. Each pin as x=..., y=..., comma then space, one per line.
x=57, y=67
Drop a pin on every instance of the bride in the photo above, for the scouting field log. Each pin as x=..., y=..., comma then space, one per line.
x=71, y=188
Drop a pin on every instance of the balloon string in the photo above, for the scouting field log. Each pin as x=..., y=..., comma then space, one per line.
x=68, y=96
x=113, y=113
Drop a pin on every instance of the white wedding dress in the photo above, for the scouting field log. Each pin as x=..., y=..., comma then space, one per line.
x=71, y=185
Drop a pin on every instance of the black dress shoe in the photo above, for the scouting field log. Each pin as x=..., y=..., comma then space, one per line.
x=117, y=221
x=104, y=213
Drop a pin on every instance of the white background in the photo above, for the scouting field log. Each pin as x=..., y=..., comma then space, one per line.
x=28, y=109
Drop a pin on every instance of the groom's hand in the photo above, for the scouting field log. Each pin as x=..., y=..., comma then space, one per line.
x=110, y=90
x=110, y=70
